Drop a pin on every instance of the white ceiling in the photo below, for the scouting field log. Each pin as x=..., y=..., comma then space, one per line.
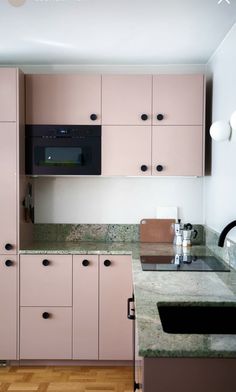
x=113, y=31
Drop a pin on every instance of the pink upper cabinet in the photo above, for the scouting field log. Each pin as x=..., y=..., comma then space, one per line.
x=63, y=99
x=126, y=150
x=8, y=209
x=177, y=151
x=126, y=99
x=178, y=99
x=8, y=94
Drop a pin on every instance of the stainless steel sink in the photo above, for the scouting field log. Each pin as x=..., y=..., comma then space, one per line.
x=217, y=318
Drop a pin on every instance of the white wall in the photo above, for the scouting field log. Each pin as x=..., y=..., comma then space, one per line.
x=116, y=200
x=220, y=187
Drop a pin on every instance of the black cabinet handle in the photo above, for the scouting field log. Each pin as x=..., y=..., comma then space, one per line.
x=159, y=168
x=144, y=117
x=8, y=263
x=45, y=262
x=93, y=117
x=144, y=168
x=8, y=246
x=160, y=117
x=85, y=263
x=107, y=263
x=46, y=315
x=136, y=386
x=129, y=315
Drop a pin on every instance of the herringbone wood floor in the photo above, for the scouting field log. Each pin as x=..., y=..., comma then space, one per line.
x=66, y=379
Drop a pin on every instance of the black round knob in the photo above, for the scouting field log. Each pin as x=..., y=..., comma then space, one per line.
x=8, y=263
x=85, y=263
x=93, y=117
x=144, y=168
x=159, y=168
x=8, y=247
x=144, y=117
x=107, y=263
x=160, y=117
x=46, y=315
x=45, y=262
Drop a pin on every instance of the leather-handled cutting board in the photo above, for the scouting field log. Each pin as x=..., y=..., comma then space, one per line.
x=156, y=230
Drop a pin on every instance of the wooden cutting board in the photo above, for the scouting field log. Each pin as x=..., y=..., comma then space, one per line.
x=156, y=230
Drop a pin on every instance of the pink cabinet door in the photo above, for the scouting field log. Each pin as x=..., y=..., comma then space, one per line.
x=8, y=307
x=46, y=280
x=126, y=150
x=8, y=92
x=115, y=330
x=45, y=333
x=85, y=307
x=179, y=98
x=8, y=170
x=125, y=98
x=177, y=150
x=63, y=99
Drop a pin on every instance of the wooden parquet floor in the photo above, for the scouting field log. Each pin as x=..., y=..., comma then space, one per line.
x=66, y=379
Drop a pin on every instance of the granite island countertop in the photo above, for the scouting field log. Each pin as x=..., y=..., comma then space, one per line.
x=168, y=287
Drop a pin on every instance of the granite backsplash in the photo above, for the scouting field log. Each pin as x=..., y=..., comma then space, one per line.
x=97, y=232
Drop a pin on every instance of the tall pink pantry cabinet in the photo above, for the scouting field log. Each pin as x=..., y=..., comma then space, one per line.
x=11, y=121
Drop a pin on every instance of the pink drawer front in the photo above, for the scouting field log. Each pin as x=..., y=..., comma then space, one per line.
x=45, y=338
x=46, y=280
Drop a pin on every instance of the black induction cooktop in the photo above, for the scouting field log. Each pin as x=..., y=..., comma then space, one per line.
x=182, y=263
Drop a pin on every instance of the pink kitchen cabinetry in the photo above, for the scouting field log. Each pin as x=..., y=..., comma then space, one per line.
x=63, y=99
x=115, y=330
x=46, y=332
x=8, y=94
x=85, y=307
x=126, y=99
x=46, y=280
x=8, y=307
x=46, y=306
x=178, y=99
x=126, y=150
x=177, y=151
x=8, y=194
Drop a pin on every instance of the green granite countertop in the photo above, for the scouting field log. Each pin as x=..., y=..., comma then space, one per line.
x=153, y=287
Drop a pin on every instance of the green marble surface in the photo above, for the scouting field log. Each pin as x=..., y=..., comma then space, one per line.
x=153, y=287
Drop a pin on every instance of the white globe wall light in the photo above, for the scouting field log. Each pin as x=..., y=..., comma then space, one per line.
x=221, y=130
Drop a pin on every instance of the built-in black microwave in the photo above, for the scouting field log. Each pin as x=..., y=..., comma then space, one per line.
x=63, y=149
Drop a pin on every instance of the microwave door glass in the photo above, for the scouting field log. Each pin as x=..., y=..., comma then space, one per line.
x=59, y=156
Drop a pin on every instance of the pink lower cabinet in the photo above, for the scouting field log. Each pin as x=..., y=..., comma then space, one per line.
x=177, y=150
x=46, y=280
x=8, y=307
x=46, y=306
x=85, y=307
x=46, y=333
x=126, y=150
x=115, y=330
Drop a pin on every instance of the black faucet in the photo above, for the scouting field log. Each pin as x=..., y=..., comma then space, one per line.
x=224, y=233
